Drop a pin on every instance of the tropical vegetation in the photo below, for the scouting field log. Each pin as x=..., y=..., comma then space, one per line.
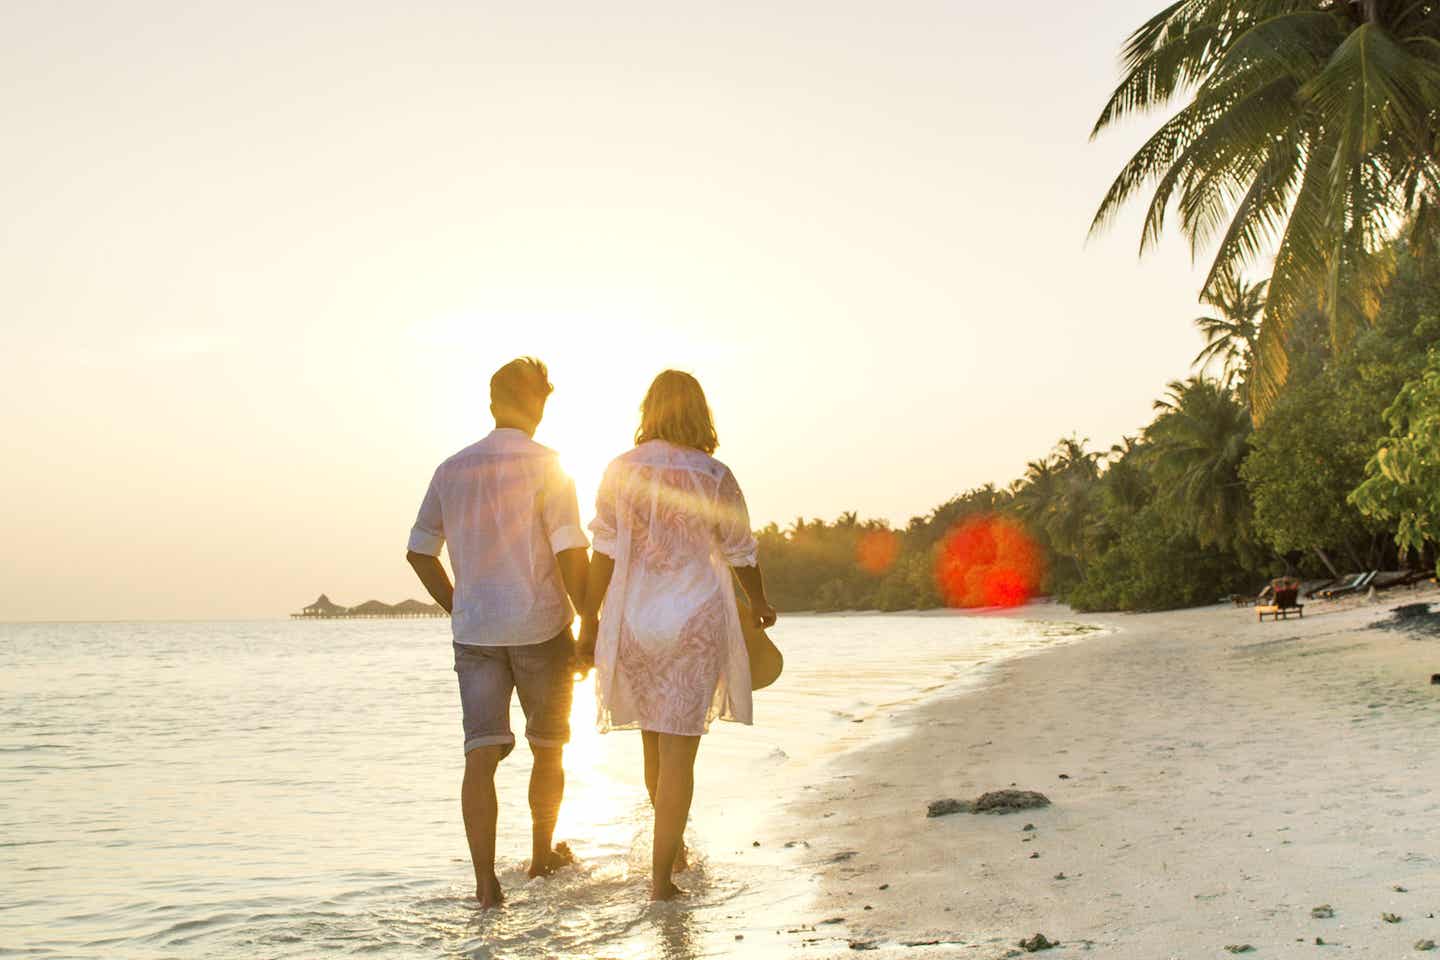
x=1307, y=439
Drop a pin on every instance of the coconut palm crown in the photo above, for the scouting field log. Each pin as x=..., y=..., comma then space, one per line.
x=1230, y=333
x=1309, y=131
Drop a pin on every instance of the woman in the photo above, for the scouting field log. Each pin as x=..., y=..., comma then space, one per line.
x=670, y=526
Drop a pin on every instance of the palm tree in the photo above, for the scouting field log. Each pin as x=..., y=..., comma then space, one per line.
x=1069, y=519
x=1035, y=493
x=1230, y=335
x=1195, y=447
x=1308, y=130
x=1055, y=497
x=1124, y=489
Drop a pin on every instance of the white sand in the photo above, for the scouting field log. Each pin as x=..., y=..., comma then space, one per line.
x=1226, y=776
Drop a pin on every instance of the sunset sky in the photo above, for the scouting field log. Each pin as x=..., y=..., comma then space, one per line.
x=260, y=261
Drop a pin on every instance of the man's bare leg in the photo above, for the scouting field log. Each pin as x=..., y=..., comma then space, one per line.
x=547, y=789
x=674, y=789
x=480, y=809
x=651, y=743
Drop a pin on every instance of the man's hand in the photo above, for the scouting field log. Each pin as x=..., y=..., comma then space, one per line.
x=763, y=613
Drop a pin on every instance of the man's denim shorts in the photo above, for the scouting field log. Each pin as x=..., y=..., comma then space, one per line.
x=540, y=672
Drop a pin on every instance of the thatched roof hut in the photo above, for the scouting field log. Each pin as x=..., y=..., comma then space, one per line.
x=323, y=607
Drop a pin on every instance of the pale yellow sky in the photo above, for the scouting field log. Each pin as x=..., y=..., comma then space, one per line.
x=260, y=262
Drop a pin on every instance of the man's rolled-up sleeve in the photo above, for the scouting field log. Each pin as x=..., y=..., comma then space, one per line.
x=562, y=514
x=428, y=534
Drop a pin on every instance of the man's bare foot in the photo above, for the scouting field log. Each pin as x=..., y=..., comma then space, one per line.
x=682, y=859
x=668, y=892
x=489, y=894
x=561, y=856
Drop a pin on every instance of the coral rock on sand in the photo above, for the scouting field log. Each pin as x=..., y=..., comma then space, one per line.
x=1424, y=944
x=996, y=801
x=1390, y=917
x=1322, y=912
x=1239, y=947
x=1009, y=801
x=1038, y=942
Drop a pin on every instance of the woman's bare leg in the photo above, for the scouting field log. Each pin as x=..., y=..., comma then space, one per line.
x=674, y=789
x=651, y=743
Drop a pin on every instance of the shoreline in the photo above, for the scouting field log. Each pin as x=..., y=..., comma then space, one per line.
x=1222, y=778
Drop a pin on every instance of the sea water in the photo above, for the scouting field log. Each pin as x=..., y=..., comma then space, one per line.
x=290, y=789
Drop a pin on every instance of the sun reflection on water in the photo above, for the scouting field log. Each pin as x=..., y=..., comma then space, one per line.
x=605, y=801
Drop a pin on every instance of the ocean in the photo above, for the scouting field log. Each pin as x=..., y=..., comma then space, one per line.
x=291, y=789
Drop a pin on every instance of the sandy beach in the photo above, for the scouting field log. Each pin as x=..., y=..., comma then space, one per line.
x=1214, y=780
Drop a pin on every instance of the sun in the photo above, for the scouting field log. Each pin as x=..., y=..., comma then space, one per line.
x=584, y=458
x=587, y=435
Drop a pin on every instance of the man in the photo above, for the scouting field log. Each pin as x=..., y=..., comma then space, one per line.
x=510, y=517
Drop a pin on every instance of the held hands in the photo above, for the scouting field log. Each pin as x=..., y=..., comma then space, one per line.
x=584, y=656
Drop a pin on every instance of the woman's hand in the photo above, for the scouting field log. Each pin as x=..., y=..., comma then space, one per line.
x=764, y=614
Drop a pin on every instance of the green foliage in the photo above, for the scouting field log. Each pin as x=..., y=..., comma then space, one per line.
x=1403, y=478
x=1306, y=458
x=1196, y=446
x=1171, y=523
x=1311, y=452
x=1154, y=566
x=1306, y=128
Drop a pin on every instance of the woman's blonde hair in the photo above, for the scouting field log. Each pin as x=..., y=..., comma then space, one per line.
x=675, y=410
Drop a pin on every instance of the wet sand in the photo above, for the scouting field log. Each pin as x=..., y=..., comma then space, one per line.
x=1214, y=780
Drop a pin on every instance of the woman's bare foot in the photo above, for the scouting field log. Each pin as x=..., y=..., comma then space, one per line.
x=668, y=892
x=561, y=856
x=489, y=894
x=682, y=859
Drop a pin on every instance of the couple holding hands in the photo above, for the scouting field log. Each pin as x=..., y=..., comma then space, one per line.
x=659, y=616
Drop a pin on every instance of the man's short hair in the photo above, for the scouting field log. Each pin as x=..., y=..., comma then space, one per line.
x=520, y=387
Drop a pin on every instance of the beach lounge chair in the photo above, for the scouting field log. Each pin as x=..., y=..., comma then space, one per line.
x=1359, y=582
x=1287, y=593
x=1344, y=585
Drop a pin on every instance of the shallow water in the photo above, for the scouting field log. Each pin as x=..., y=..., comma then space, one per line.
x=286, y=789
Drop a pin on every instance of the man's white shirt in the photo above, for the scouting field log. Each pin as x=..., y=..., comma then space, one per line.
x=505, y=507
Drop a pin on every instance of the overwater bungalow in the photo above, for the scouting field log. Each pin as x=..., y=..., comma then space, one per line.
x=326, y=609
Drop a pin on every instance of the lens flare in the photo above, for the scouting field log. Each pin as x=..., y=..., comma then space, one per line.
x=876, y=551
x=988, y=561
